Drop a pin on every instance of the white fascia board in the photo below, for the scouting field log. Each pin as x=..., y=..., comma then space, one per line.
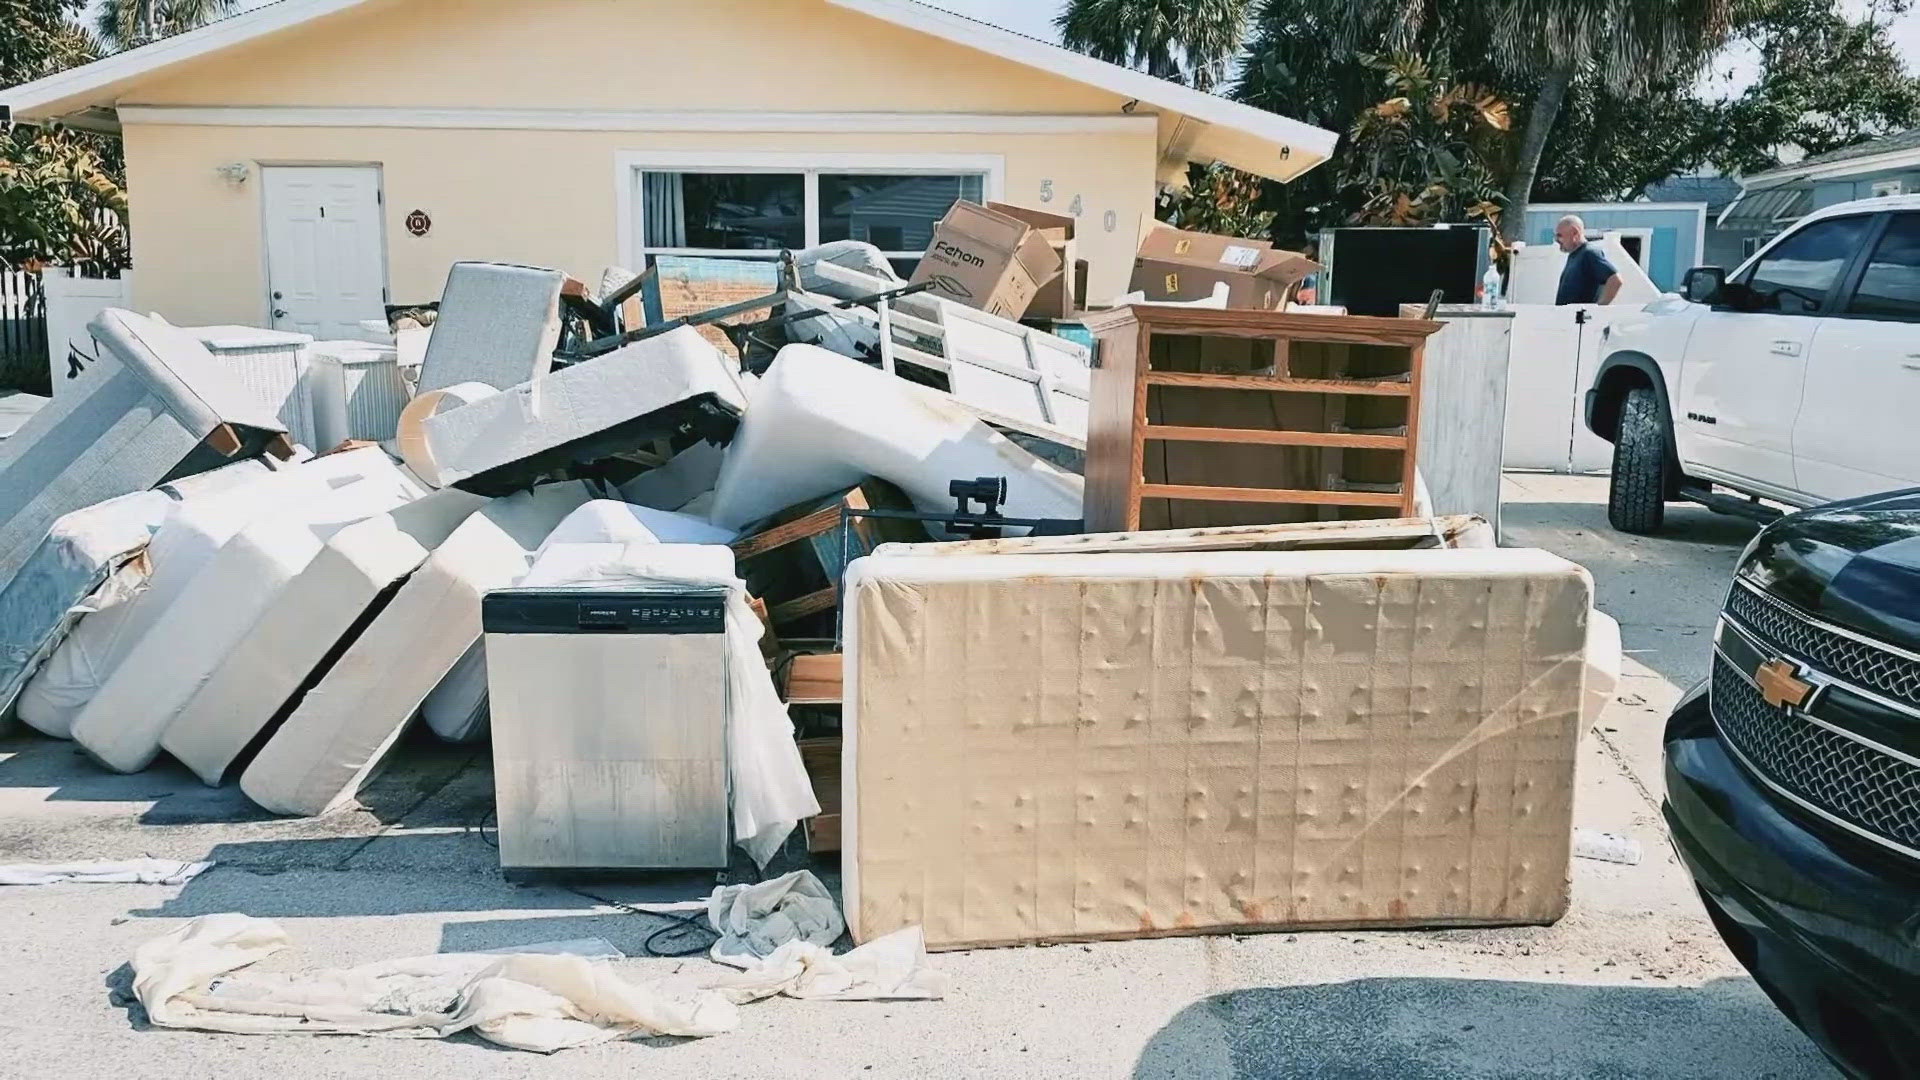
x=630, y=120
x=1317, y=143
x=28, y=99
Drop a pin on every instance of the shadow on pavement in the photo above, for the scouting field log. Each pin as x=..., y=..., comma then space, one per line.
x=1414, y=1028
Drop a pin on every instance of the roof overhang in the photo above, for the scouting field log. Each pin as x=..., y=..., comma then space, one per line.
x=1195, y=125
x=1192, y=125
x=1905, y=157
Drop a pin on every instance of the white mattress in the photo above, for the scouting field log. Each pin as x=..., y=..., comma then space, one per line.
x=121, y=726
x=685, y=477
x=457, y=709
x=313, y=616
x=342, y=729
x=194, y=529
x=95, y=550
x=572, y=404
x=822, y=423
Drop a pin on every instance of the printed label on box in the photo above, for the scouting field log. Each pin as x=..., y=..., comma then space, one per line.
x=1245, y=258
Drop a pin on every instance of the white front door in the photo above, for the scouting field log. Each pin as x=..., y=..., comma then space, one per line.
x=1746, y=368
x=1857, y=433
x=326, y=248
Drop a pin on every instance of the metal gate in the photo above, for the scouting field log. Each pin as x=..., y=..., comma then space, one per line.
x=23, y=332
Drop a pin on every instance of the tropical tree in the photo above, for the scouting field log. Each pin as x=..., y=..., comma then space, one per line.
x=1420, y=156
x=1221, y=200
x=40, y=37
x=127, y=24
x=1630, y=45
x=1187, y=41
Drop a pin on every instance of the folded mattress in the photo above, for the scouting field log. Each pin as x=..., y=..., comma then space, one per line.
x=580, y=414
x=822, y=423
x=154, y=406
x=457, y=709
x=83, y=552
x=122, y=725
x=195, y=528
x=345, y=724
x=1060, y=747
x=317, y=614
x=497, y=324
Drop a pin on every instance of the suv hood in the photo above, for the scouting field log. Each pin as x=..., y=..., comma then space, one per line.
x=1855, y=564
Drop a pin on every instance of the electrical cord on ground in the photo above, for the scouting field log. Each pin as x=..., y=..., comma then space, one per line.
x=679, y=924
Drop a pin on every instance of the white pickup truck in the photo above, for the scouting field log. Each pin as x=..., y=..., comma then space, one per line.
x=1795, y=379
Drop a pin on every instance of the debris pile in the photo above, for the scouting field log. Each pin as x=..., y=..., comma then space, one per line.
x=664, y=555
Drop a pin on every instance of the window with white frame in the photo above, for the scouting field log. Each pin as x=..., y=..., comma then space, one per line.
x=755, y=213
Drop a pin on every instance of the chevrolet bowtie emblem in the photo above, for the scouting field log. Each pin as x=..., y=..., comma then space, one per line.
x=1781, y=684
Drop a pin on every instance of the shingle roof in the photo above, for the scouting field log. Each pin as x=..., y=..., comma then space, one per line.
x=1715, y=191
x=1904, y=140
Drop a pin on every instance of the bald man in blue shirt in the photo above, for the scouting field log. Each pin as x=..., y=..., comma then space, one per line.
x=1589, y=278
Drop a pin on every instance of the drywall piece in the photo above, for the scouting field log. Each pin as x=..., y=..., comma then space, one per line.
x=685, y=477
x=457, y=709
x=315, y=616
x=822, y=423
x=342, y=729
x=584, y=413
x=122, y=725
x=194, y=530
x=84, y=552
x=154, y=406
x=498, y=324
x=1060, y=747
x=1463, y=408
x=1381, y=534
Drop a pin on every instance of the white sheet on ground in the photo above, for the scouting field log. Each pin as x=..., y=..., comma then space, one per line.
x=342, y=729
x=125, y=872
x=822, y=423
x=755, y=920
x=121, y=726
x=889, y=968
x=193, y=531
x=770, y=790
x=543, y=1003
x=457, y=709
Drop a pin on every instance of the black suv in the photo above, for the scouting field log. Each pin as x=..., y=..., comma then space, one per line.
x=1793, y=776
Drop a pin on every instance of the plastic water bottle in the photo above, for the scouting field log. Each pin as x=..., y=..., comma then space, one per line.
x=1490, y=289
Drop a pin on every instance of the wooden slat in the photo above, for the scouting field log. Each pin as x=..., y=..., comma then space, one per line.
x=821, y=758
x=1175, y=433
x=1268, y=495
x=814, y=679
x=823, y=600
x=1378, y=388
x=814, y=524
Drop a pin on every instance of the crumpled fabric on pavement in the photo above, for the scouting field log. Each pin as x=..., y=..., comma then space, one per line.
x=890, y=968
x=754, y=921
x=126, y=872
x=541, y=1003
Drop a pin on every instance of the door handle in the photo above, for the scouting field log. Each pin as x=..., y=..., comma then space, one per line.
x=1786, y=348
x=279, y=313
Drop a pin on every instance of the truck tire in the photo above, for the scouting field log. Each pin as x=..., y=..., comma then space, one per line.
x=1637, y=498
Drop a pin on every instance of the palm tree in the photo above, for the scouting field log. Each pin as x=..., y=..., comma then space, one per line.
x=126, y=24
x=1188, y=41
x=1629, y=44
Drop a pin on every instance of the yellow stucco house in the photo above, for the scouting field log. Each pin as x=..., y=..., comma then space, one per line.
x=333, y=155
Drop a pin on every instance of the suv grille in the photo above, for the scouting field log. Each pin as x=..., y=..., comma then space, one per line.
x=1844, y=779
x=1867, y=667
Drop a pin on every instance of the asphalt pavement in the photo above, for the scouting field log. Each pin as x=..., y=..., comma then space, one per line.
x=1632, y=983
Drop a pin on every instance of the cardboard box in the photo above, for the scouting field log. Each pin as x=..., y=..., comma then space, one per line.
x=988, y=260
x=1185, y=266
x=1085, y=746
x=1061, y=297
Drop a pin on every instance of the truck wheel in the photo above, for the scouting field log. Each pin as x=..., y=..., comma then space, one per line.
x=1636, y=502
